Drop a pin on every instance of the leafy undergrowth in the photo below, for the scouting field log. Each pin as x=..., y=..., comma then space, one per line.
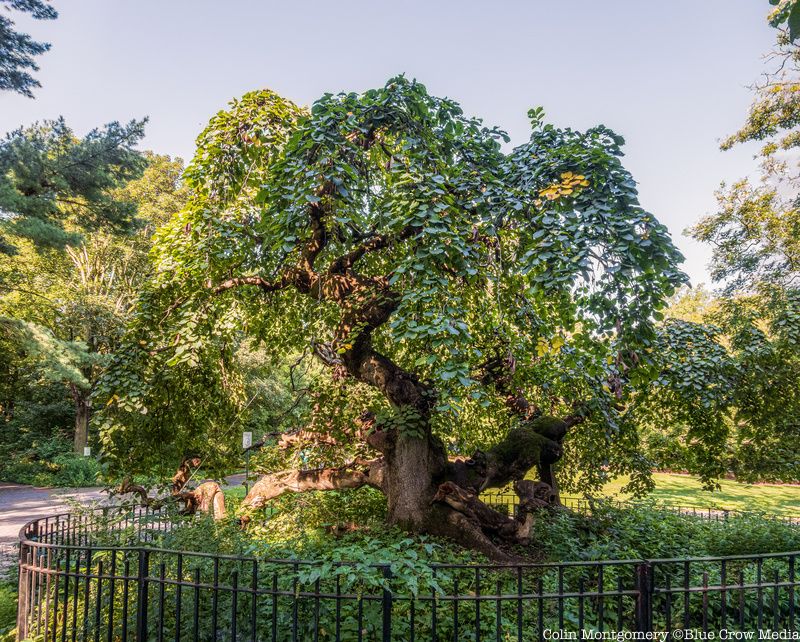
x=646, y=532
x=354, y=555
x=345, y=526
x=49, y=463
x=8, y=608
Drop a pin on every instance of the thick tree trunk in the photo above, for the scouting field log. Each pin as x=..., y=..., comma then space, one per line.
x=409, y=481
x=426, y=493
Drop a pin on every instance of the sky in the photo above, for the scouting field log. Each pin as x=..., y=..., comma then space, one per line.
x=671, y=77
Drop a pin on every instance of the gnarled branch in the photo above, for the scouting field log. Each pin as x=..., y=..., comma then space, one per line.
x=274, y=485
x=207, y=497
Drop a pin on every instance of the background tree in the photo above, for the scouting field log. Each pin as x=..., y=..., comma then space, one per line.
x=54, y=185
x=77, y=300
x=17, y=50
x=436, y=279
x=730, y=371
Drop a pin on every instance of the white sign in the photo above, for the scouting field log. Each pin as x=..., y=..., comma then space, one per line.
x=87, y=452
x=247, y=440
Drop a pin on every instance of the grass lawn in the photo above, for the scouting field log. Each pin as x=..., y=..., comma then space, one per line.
x=684, y=490
x=237, y=491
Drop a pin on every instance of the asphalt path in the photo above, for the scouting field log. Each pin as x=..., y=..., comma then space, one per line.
x=20, y=504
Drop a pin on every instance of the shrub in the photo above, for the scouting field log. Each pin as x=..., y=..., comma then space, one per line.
x=49, y=463
x=377, y=558
x=648, y=532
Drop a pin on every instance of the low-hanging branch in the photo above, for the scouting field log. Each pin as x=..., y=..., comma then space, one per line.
x=272, y=485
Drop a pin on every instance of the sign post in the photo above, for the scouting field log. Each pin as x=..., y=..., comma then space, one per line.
x=247, y=441
x=87, y=451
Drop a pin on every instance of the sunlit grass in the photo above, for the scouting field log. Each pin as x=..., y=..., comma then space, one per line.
x=684, y=490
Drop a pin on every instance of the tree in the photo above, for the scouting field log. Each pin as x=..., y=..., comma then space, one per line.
x=788, y=12
x=68, y=308
x=50, y=180
x=17, y=50
x=435, y=278
x=730, y=374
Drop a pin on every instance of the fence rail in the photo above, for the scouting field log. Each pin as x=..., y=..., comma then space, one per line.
x=97, y=576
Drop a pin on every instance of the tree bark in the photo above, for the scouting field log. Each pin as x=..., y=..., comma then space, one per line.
x=206, y=497
x=427, y=493
x=82, y=413
x=274, y=485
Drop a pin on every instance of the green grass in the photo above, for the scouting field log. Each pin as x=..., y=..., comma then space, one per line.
x=684, y=490
x=235, y=492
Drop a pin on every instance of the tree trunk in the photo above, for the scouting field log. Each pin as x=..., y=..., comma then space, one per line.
x=408, y=481
x=83, y=407
x=426, y=493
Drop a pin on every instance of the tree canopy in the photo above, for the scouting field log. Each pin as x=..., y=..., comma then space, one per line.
x=54, y=185
x=63, y=310
x=435, y=276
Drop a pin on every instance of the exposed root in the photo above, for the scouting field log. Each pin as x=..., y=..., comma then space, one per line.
x=478, y=523
x=448, y=522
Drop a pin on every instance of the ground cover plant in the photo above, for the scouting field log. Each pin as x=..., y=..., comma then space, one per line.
x=8, y=608
x=343, y=588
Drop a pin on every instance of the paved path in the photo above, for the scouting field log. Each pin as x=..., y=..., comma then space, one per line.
x=20, y=504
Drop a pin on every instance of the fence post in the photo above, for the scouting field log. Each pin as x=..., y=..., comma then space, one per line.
x=141, y=597
x=644, y=597
x=387, y=605
x=24, y=597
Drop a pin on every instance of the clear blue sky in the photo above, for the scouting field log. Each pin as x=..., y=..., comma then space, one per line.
x=670, y=76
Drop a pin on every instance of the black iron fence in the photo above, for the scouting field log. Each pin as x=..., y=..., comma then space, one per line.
x=97, y=577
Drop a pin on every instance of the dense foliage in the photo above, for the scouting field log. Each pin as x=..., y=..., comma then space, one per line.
x=54, y=185
x=372, y=559
x=542, y=255
x=63, y=309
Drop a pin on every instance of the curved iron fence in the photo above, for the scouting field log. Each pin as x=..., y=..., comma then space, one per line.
x=97, y=576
